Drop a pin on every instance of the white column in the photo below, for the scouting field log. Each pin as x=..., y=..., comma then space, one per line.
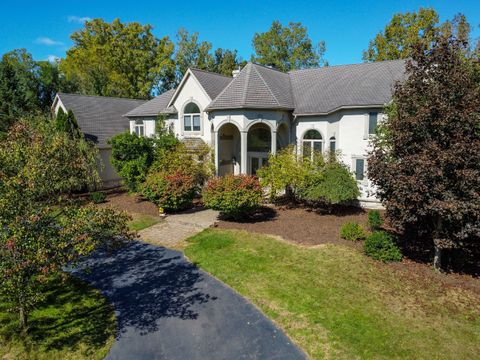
x=274, y=142
x=243, y=152
x=217, y=155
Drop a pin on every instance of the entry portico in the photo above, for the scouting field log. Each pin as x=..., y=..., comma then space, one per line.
x=243, y=140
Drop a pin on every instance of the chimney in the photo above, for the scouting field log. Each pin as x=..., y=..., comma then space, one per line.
x=235, y=72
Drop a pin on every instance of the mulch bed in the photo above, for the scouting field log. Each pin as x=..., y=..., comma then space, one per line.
x=301, y=225
x=131, y=203
x=310, y=227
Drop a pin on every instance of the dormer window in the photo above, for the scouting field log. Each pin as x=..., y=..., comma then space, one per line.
x=191, y=117
x=139, y=128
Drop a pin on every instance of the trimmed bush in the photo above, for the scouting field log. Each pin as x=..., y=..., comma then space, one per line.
x=375, y=220
x=333, y=184
x=352, y=231
x=98, y=197
x=172, y=192
x=233, y=195
x=381, y=246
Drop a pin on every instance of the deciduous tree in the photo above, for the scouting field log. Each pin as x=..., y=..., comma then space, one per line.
x=405, y=30
x=117, y=59
x=41, y=230
x=426, y=158
x=287, y=47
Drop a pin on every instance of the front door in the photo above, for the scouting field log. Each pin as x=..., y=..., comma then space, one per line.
x=257, y=161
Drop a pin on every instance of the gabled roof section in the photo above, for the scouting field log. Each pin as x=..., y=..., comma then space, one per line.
x=99, y=117
x=256, y=87
x=212, y=83
x=327, y=89
x=154, y=107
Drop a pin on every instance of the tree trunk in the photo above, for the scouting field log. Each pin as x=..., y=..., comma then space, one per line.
x=437, y=258
x=437, y=241
x=23, y=319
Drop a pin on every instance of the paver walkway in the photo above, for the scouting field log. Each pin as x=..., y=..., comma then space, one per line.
x=167, y=308
x=175, y=228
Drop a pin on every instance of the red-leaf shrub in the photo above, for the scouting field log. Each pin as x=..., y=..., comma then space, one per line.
x=172, y=192
x=233, y=195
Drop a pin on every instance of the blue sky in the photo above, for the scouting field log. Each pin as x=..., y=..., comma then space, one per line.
x=44, y=27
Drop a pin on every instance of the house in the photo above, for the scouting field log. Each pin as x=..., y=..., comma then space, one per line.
x=260, y=110
x=99, y=118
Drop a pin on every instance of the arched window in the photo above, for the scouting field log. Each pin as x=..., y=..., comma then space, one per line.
x=139, y=128
x=311, y=143
x=333, y=145
x=191, y=117
x=259, y=139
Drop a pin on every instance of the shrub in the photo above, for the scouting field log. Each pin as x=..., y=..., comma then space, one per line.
x=172, y=192
x=375, y=220
x=283, y=172
x=98, y=197
x=352, y=231
x=179, y=159
x=233, y=195
x=333, y=184
x=381, y=246
x=132, y=157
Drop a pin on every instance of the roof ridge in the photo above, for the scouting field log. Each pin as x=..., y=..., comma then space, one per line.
x=344, y=65
x=211, y=72
x=247, y=80
x=101, y=96
x=268, y=87
x=268, y=67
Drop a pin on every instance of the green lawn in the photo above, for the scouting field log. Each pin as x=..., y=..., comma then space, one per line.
x=74, y=322
x=336, y=303
x=143, y=221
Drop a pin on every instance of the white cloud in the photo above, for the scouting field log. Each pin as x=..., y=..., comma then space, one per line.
x=47, y=41
x=53, y=58
x=78, y=19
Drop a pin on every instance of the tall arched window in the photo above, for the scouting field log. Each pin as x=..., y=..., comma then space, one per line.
x=333, y=145
x=191, y=117
x=311, y=143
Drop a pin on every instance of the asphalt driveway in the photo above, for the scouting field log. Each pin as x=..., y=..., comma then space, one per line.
x=169, y=309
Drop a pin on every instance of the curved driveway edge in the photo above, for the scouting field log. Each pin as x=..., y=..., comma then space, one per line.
x=167, y=308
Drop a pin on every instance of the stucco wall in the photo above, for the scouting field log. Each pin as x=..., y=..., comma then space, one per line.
x=350, y=128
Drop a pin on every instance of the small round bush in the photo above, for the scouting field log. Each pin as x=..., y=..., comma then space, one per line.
x=381, y=246
x=352, y=231
x=172, y=192
x=375, y=220
x=98, y=197
x=233, y=195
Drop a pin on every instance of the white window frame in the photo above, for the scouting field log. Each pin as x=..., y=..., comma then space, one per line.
x=312, y=143
x=333, y=140
x=139, y=127
x=191, y=117
x=370, y=114
x=354, y=168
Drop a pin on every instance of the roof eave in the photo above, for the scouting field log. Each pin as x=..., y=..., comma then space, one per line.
x=245, y=107
x=346, y=107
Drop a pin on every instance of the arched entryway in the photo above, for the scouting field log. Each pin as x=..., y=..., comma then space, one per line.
x=259, y=145
x=229, y=150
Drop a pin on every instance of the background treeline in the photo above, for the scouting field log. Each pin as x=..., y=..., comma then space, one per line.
x=128, y=60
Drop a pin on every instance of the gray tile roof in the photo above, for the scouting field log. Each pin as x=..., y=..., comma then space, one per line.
x=326, y=89
x=254, y=87
x=157, y=105
x=213, y=83
x=99, y=117
x=311, y=91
